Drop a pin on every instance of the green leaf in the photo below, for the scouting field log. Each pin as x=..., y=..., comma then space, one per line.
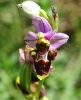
x=25, y=77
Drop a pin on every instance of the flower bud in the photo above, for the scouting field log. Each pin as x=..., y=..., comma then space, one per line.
x=30, y=8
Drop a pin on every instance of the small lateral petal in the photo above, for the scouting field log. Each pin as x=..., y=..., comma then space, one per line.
x=52, y=69
x=41, y=24
x=58, y=40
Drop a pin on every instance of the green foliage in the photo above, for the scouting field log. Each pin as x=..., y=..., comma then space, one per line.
x=65, y=83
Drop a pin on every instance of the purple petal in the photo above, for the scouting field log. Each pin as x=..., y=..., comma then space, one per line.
x=41, y=24
x=49, y=35
x=58, y=40
x=30, y=39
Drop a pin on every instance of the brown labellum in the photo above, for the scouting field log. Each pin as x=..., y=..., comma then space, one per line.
x=42, y=67
x=42, y=57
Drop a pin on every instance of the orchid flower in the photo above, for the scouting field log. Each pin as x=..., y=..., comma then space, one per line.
x=42, y=25
x=44, y=35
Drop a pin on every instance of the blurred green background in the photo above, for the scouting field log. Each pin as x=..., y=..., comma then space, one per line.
x=65, y=83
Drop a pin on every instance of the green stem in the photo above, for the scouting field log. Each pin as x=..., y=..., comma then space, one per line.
x=39, y=88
